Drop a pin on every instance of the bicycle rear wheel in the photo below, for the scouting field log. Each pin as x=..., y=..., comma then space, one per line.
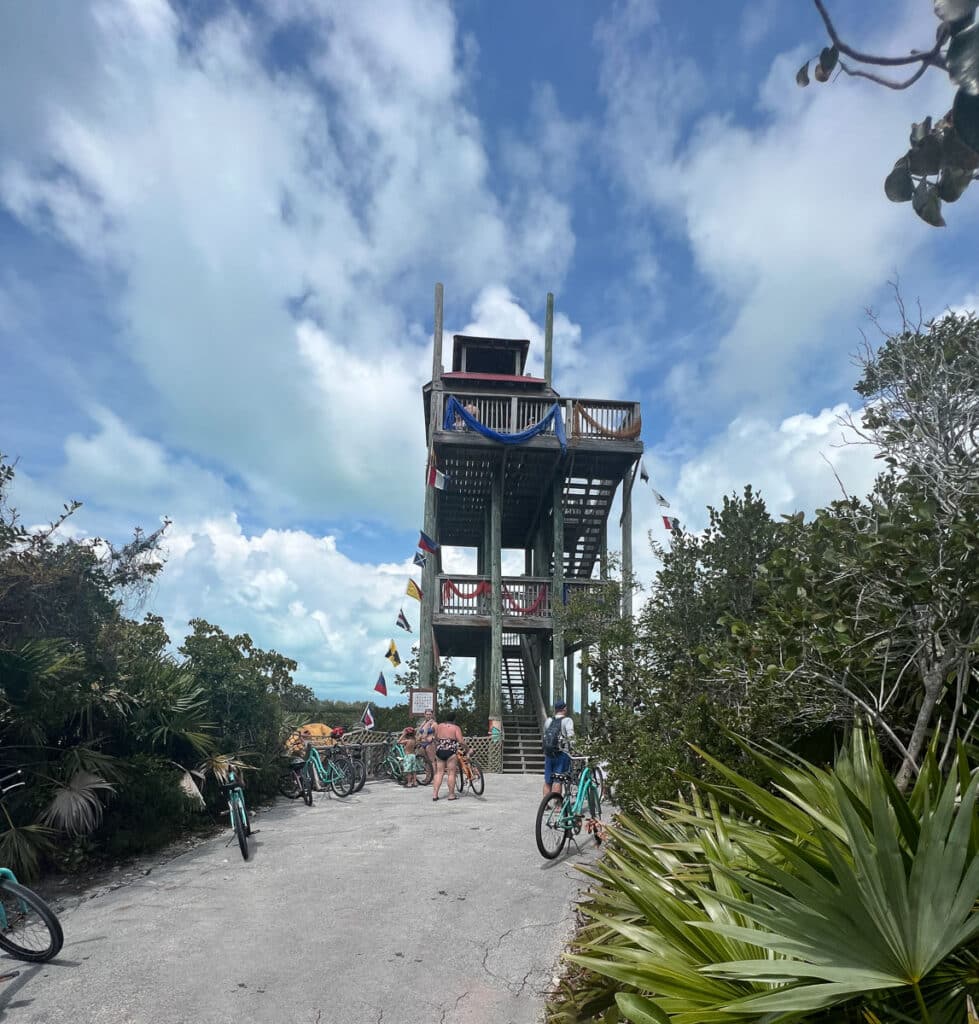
x=32, y=932
x=289, y=785
x=423, y=774
x=306, y=785
x=477, y=782
x=551, y=833
x=460, y=780
x=239, y=826
x=342, y=777
x=360, y=774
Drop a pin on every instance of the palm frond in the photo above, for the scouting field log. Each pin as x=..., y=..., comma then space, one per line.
x=76, y=807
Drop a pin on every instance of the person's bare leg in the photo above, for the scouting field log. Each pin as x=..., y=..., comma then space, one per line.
x=453, y=768
x=437, y=783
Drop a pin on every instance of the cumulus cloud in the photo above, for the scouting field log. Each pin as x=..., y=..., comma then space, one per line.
x=260, y=229
x=291, y=591
x=783, y=213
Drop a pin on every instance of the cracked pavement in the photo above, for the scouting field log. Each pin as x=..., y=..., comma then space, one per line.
x=379, y=908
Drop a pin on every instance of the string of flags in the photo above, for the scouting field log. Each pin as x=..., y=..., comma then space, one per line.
x=426, y=546
x=669, y=522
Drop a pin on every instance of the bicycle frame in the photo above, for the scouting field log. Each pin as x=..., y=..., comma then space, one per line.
x=327, y=773
x=571, y=809
x=6, y=873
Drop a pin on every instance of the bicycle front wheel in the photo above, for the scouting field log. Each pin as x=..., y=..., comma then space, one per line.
x=424, y=772
x=238, y=824
x=595, y=810
x=32, y=931
x=306, y=785
x=477, y=781
x=342, y=779
x=551, y=833
x=360, y=774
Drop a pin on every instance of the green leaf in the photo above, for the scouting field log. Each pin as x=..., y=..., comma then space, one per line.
x=828, y=58
x=898, y=186
x=925, y=157
x=927, y=204
x=954, y=10
x=963, y=60
x=640, y=1010
x=965, y=119
x=802, y=75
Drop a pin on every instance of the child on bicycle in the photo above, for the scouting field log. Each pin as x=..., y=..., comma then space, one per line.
x=409, y=743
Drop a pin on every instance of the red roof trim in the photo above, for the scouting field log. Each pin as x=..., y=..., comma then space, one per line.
x=460, y=375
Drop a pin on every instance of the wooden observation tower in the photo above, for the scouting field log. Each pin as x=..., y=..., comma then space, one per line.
x=529, y=472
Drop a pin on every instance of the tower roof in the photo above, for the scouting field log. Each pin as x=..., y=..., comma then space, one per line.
x=493, y=356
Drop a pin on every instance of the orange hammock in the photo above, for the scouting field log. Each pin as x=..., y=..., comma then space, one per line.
x=450, y=588
x=578, y=414
x=530, y=608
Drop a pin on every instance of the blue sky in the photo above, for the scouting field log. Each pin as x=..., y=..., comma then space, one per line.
x=221, y=223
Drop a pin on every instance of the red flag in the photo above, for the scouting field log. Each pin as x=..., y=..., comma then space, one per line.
x=381, y=686
x=367, y=718
x=667, y=522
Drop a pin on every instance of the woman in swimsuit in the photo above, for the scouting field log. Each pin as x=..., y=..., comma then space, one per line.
x=426, y=738
x=448, y=739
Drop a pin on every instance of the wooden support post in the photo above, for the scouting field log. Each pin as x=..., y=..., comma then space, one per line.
x=548, y=338
x=496, y=582
x=627, y=543
x=427, y=676
x=557, y=587
x=585, y=675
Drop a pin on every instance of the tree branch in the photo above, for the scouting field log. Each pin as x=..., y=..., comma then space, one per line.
x=888, y=82
x=930, y=57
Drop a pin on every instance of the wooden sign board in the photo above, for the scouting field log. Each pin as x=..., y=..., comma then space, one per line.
x=420, y=701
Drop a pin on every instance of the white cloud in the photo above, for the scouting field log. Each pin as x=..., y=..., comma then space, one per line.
x=219, y=196
x=291, y=591
x=793, y=463
x=784, y=217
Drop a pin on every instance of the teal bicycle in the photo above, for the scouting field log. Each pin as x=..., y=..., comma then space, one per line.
x=561, y=815
x=240, y=823
x=29, y=929
x=337, y=772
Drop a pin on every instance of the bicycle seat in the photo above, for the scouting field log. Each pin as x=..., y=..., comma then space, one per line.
x=296, y=762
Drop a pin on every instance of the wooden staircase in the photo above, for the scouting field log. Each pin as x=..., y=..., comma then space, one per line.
x=522, y=751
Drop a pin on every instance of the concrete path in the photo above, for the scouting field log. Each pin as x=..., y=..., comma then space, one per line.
x=383, y=909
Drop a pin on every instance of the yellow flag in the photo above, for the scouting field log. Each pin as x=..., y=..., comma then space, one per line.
x=414, y=590
x=392, y=654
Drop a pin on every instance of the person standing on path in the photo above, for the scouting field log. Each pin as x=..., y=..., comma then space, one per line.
x=448, y=739
x=408, y=742
x=558, y=734
x=425, y=733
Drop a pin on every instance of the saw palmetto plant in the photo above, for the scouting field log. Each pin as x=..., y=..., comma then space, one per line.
x=830, y=897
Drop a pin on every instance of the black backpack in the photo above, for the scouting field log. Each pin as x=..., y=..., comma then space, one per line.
x=553, y=737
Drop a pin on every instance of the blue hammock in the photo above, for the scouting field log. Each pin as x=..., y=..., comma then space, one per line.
x=454, y=410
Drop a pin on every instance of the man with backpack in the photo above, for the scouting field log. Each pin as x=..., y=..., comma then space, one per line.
x=558, y=733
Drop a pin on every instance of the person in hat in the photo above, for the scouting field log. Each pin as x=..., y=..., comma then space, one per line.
x=558, y=734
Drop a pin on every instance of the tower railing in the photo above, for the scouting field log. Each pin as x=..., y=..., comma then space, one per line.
x=507, y=413
x=522, y=595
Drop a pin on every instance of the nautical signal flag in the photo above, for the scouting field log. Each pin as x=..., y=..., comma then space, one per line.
x=660, y=500
x=403, y=621
x=380, y=685
x=643, y=475
x=426, y=543
x=367, y=718
x=671, y=524
x=392, y=655
x=419, y=559
x=414, y=590
x=436, y=478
